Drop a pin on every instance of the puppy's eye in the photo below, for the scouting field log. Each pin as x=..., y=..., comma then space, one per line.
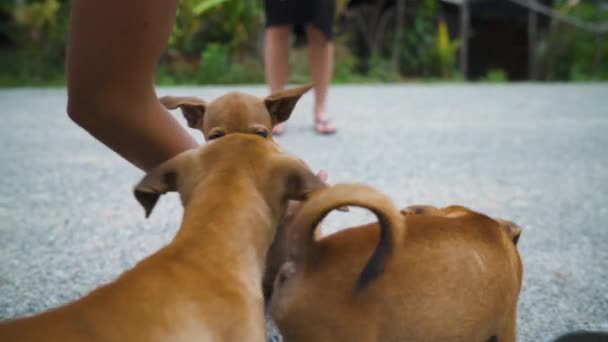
x=262, y=133
x=216, y=135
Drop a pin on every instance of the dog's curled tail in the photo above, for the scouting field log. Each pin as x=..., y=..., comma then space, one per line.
x=301, y=241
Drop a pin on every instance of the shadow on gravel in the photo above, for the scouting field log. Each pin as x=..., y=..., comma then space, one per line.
x=583, y=336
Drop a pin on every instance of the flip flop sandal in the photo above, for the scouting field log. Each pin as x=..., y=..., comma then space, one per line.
x=324, y=124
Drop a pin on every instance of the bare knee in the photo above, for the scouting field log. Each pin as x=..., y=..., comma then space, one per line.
x=279, y=33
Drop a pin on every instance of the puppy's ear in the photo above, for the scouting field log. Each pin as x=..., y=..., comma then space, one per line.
x=160, y=180
x=192, y=108
x=420, y=210
x=297, y=180
x=280, y=104
x=512, y=229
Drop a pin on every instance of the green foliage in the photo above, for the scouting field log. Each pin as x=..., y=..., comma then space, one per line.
x=233, y=23
x=417, y=53
x=422, y=54
x=38, y=30
x=226, y=31
x=446, y=50
x=570, y=53
x=381, y=69
x=219, y=41
x=299, y=71
x=496, y=76
x=186, y=27
x=345, y=61
x=215, y=67
x=203, y=6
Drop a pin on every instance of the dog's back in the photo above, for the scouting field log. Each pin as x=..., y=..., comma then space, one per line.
x=455, y=279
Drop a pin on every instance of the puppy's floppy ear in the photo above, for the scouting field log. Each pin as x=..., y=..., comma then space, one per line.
x=192, y=108
x=160, y=180
x=296, y=178
x=280, y=104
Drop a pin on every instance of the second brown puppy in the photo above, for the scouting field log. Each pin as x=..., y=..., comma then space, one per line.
x=456, y=276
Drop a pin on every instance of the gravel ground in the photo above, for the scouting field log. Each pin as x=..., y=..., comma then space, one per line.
x=534, y=154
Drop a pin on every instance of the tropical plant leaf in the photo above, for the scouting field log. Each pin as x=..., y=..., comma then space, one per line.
x=206, y=5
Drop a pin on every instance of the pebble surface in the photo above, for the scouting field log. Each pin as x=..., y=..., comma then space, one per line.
x=536, y=154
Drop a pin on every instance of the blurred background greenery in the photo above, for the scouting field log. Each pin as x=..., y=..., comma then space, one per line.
x=221, y=42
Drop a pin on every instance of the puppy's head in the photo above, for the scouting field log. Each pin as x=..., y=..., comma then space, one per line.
x=237, y=112
x=216, y=168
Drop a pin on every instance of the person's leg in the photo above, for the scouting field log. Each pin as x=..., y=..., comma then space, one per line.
x=321, y=59
x=276, y=60
x=113, y=50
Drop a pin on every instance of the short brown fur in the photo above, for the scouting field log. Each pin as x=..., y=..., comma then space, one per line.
x=205, y=285
x=455, y=277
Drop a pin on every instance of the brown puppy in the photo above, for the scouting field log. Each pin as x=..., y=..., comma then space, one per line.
x=455, y=277
x=237, y=112
x=206, y=284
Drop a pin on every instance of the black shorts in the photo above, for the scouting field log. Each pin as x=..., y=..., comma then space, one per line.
x=298, y=13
